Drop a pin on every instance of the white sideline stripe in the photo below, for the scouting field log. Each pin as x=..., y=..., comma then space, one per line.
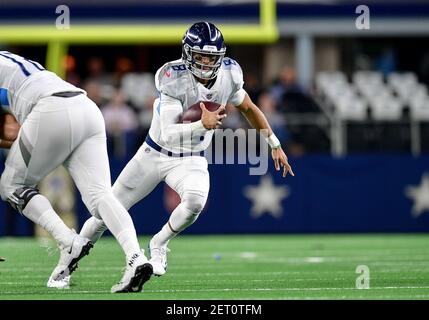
x=315, y=259
x=86, y=269
x=233, y=289
x=248, y=255
x=226, y=263
x=237, y=257
x=210, y=262
x=89, y=276
x=283, y=289
x=278, y=289
x=208, y=280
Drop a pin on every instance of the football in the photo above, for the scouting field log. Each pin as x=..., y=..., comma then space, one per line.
x=193, y=113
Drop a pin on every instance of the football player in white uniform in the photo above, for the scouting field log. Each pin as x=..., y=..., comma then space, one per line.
x=60, y=125
x=171, y=152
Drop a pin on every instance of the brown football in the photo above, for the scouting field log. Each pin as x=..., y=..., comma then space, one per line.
x=193, y=113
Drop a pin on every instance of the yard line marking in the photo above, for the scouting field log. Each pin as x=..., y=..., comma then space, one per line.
x=284, y=289
x=314, y=259
x=237, y=289
x=85, y=269
x=248, y=255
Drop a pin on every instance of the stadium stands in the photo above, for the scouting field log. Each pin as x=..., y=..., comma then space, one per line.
x=369, y=100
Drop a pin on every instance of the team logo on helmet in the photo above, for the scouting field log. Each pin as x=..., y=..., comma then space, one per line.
x=203, y=49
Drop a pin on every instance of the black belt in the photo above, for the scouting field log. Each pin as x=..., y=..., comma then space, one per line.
x=158, y=148
x=67, y=94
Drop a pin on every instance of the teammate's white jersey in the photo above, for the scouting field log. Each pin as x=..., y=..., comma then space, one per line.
x=24, y=82
x=179, y=89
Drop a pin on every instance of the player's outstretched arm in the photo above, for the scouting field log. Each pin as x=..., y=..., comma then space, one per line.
x=258, y=121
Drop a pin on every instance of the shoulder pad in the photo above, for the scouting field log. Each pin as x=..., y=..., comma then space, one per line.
x=168, y=73
x=228, y=63
x=233, y=68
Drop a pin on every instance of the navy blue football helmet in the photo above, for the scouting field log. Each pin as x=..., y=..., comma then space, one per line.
x=203, y=49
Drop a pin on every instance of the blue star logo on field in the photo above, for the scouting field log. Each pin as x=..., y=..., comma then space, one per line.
x=419, y=195
x=266, y=197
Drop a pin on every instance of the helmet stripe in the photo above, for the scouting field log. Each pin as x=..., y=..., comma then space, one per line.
x=210, y=33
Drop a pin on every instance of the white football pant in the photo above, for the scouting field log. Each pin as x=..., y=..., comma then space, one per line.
x=188, y=176
x=68, y=131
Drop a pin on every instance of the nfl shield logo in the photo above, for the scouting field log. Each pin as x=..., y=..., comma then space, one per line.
x=209, y=96
x=147, y=150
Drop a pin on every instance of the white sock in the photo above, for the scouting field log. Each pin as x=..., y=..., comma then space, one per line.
x=40, y=211
x=120, y=224
x=164, y=236
x=180, y=219
x=92, y=229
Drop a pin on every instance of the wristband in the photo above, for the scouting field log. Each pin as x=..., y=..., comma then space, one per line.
x=273, y=141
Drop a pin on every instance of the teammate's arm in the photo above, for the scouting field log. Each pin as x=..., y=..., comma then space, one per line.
x=258, y=121
x=9, y=129
x=5, y=144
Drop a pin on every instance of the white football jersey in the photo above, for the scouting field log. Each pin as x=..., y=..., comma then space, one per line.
x=24, y=82
x=179, y=89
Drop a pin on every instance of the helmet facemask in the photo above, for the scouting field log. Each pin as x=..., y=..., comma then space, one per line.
x=203, y=63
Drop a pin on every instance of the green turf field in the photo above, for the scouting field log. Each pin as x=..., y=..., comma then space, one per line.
x=234, y=267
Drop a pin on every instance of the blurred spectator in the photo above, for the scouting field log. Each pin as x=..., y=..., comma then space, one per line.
x=71, y=75
x=123, y=66
x=105, y=81
x=121, y=124
x=362, y=62
x=119, y=116
x=386, y=63
x=140, y=90
x=424, y=68
x=97, y=73
x=93, y=91
x=277, y=121
x=252, y=85
x=145, y=120
x=285, y=83
x=289, y=96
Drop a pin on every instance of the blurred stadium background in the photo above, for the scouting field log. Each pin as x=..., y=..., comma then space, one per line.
x=351, y=107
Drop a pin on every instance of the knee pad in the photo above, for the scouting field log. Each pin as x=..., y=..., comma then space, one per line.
x=194, y=202
x=92, y=201
x=108, y=200
x=21, y=197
